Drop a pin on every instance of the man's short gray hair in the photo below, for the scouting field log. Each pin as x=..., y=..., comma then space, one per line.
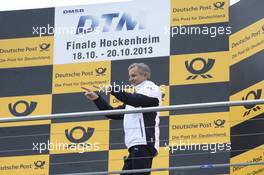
x=142, y=68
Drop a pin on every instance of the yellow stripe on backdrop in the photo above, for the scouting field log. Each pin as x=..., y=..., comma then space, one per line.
x=254, y=155
x=79, y=137
x=26, y=52
x=199, y=68
x=199, y=129
x=69, y=78
x=26, y=123
x=247, y=42
x=26, y=105
x=239, y=114
x=193, y=12
x=24, y=165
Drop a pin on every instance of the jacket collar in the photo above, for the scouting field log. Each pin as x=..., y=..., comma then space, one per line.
x=141, y=85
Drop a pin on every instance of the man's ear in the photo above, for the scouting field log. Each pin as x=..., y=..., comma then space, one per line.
x=146, y=76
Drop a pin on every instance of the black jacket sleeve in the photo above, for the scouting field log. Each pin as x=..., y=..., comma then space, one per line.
x=103, y=105
x=136, y=99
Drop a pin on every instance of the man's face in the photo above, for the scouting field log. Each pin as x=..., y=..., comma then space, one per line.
x=135, y=77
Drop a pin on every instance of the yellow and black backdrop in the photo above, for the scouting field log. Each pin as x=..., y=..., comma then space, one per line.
x=198, y=50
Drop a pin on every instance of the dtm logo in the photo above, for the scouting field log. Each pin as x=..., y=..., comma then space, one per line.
x=88, y=23
x=256, y=95
x=206, y=66
x=29, y=108
x=86, y=134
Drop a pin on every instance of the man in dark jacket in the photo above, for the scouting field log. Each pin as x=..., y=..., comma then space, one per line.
x=141, y=129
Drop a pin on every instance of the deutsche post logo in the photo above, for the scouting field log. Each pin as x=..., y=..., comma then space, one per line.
x=219, y=123
x=44, y=47
x=29, y=108
x=86, y=134
x=206, y=66
x=39, y=164
x=256, y=95
x=100, y=71
x=219, y=5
